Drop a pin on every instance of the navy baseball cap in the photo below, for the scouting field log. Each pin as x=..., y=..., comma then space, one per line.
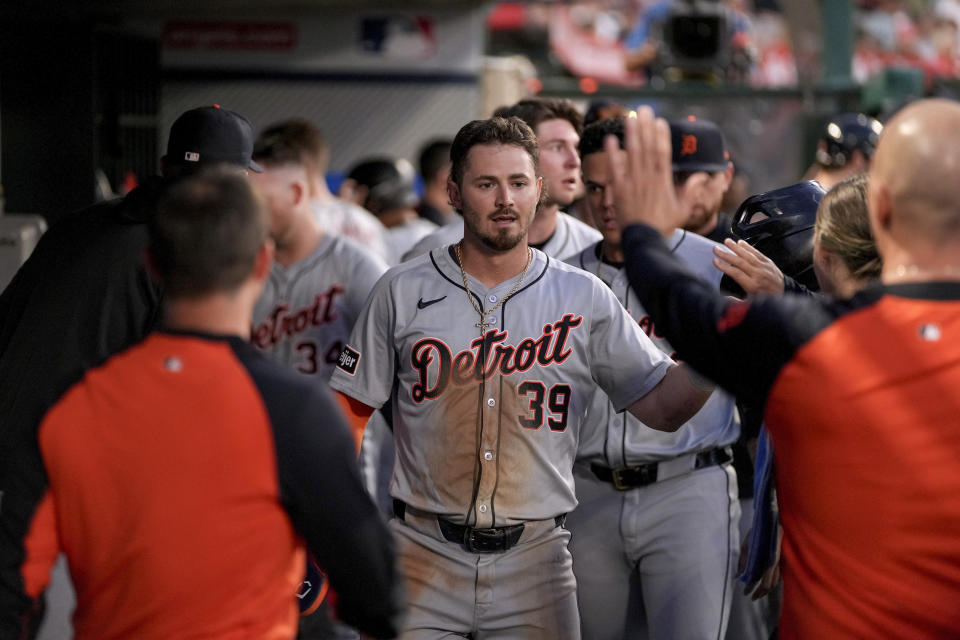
x=698, y=145
x=211, y=135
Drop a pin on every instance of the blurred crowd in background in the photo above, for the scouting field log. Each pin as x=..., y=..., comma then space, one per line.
x=592, y=38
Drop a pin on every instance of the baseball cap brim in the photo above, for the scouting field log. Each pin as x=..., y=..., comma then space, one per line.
x=709, y=167
x=253, y=166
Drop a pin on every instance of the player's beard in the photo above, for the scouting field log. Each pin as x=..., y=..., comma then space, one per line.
x=503, y=240
x=699, y=216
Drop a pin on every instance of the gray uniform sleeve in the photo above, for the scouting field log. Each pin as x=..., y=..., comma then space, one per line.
x=367, y=365
x=623, y=360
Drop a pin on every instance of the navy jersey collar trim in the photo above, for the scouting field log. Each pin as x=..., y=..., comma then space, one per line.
x=203, y=335
x=942, y=290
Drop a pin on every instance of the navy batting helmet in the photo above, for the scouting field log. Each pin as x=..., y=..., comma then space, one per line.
x=845, y=134
x=779, y=224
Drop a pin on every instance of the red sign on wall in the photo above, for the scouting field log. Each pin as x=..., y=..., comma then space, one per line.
x=236, y=36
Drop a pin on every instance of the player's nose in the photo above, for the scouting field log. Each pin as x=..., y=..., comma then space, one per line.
x=608, y=197
x=504, y=198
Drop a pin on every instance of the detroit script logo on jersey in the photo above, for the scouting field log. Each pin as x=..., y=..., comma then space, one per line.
x=282, y=323
x=486, y=356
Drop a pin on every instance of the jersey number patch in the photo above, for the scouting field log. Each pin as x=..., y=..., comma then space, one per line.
x=558, y=404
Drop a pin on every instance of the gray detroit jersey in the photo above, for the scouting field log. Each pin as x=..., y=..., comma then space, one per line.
x=487, y=427
x=306, y=310
x=626, y=441
x=570, y=236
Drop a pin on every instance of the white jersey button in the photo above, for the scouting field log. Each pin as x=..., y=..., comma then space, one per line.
x=492, y=298
x=488, y=456
x=483, y=508
x=491, y=402
x=491, y=320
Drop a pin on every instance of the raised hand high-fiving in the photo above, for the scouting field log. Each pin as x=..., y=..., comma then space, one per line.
x=642, y=176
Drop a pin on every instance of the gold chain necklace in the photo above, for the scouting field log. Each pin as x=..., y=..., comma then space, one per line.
x=483, y=325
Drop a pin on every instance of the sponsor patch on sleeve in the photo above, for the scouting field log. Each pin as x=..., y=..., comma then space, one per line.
x=348, y=360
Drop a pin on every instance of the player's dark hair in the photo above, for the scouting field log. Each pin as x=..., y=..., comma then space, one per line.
x=510, y=131
x=843, y=228
x=533, y=111
x=295, y=141
x=433, y=157
x=591, y=141
x=206, y=234
x=388, y=182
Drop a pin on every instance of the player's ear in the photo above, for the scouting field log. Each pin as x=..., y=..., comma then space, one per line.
x=878, y=206
x=453, y=192
x=299, y=191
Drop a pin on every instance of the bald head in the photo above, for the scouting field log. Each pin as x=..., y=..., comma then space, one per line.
x=915, y=176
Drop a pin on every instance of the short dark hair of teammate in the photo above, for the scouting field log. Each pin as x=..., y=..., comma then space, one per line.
x=496, y=130
x=603, y=110
x=433, y=158
x=533, y=111
x=295, y=141
x=591, y=140
x=383, y=184
x=206, y=234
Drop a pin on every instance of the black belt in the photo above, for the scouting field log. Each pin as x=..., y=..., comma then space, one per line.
x=646, y=474
x=476, y=540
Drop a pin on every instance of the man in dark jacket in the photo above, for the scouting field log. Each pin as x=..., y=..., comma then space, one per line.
x=83, y=295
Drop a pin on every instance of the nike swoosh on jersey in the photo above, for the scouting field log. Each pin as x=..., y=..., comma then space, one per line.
x=423, y=305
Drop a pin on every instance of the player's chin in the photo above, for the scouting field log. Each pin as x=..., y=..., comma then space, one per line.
x=503, y=240
x=611, y=235
x=563, y=199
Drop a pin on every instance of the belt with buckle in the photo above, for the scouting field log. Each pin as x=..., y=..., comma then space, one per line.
x=473, y=539
x=646, y=474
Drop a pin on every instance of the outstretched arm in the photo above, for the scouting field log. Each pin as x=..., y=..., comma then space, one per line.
x=675, y=399
x=741, y=345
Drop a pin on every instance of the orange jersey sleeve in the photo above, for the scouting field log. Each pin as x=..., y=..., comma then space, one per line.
x=357, y=415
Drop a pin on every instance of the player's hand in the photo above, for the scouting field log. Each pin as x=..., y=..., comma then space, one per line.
x=770, y=578
x=642, y=176
x=753, y=271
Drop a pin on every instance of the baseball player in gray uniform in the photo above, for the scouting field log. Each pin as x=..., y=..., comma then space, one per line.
x=319, y=281
x=557, y=124
x=655, y=536
x=490, y=351
x=334, y=215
